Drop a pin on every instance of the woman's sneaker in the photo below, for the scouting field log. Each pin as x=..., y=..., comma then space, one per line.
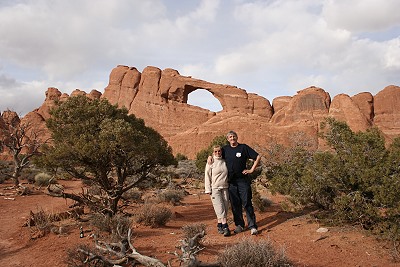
x=238, y=229
x=227, y=232
x=220, y=230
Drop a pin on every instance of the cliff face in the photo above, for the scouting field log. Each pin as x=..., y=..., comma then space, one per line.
x=160, y=98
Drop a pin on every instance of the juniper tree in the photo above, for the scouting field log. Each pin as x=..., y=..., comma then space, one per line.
x=99, y=143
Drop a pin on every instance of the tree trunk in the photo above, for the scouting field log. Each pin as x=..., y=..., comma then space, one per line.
x=16, y=174
x=114, y=204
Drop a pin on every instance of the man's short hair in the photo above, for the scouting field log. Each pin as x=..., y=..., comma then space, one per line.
x=231, y=133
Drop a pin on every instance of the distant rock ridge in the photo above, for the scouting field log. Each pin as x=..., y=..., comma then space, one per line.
x=160, y=97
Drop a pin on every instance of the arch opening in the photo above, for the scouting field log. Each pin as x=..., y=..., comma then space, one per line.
x=204, y=99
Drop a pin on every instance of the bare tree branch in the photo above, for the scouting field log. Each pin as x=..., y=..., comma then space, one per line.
x=22, y=141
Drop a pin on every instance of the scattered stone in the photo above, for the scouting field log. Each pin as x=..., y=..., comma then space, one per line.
x=322, y=230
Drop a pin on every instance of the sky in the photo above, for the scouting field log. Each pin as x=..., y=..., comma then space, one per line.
x=268, y=47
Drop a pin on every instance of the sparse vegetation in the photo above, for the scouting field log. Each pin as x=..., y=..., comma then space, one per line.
x=180, y=157
x=44, y=179
x=105, y=253
x=78, y=257
x=153, y=215
x=172, y=196
x=259, y=203
x=134, y=195
x=5, y=170
x=39, y=223
x=118, y=225
x=253, y=253
x=187, y=170
x=190, y=231
x=191, y=245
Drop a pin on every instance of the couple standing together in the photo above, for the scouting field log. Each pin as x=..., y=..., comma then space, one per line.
x=226, y=179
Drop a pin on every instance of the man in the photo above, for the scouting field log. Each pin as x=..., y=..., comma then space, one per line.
x=240, y=194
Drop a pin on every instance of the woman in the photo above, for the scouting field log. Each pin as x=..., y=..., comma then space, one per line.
x=216, y=185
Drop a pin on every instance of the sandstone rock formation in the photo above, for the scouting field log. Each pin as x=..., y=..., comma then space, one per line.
x=160, y=98
x=387, y=110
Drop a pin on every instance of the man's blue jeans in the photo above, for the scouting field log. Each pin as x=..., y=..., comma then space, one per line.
x=240, y=196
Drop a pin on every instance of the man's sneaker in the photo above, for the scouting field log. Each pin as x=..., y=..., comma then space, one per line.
x=227, y=232
x=220, y=230
x=253, y=231
x=238, y=229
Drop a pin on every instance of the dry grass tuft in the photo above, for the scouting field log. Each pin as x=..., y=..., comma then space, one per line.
x=153, y=215
x=250, y=253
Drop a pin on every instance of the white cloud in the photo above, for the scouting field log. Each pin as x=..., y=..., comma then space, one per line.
x=67, y=37
x=362, y=15
x=292, y=41
x=20, y=97
x=269, y=47
x=392, y=55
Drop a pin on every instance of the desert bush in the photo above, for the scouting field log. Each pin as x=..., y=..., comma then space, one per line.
x=133, y=194
x=356, y=182
x=29, y=173
x=190, y=231
x=95, y=190
x=389, y=230
x=250, y=253
x=153, y=215
x=118, y=225
x=180, y=157
x=187, y=169
x=173, y=196
x=44, y=179
x=355, y=208
x=5, y=170
x=39, y=223
x=259, y=203
x=77, y=257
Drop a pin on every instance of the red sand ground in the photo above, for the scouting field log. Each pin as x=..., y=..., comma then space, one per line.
x=298, y=236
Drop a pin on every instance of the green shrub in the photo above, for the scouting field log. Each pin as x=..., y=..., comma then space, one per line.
x=180, y=157
x=356, y=182
x=259, y=203
x=44, y=179
x=355, y=208
x=173, y=196
x=117, y=225
x=153, y=215
x=5, y=170
x=252, y=253
x=133, y=194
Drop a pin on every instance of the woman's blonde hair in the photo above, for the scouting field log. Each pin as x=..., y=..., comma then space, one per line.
x=216, y=146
